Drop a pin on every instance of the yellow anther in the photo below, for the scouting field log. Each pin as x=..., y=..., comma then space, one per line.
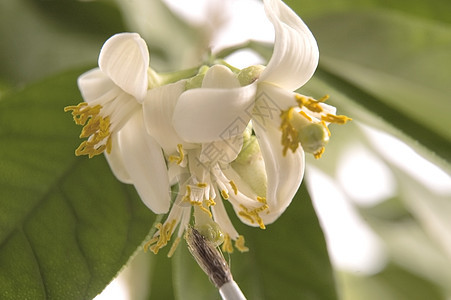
x=227, y=245
x=163, y=237
x=234, y=188
x=261, y=199
x=253, y=215
x=202, y=185
x=178, y=158
x=239, y=244
x=319, y=152
x=224, y=194
x=95, y=127
x=310, y=103
x=327, y=128
x=340, y=119
x=187, y=197
x=323, y=98
x=199, y=204
x=210, y=202
x=174, y=246
x=304, y=114
x=152, y=241
x=289, y=133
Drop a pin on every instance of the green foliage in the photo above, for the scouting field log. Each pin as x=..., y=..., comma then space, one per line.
x=67, y=226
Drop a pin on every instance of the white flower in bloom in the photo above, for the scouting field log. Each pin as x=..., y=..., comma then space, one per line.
x=112, y=117
x=203, y=171
x=222, y=135
x=205, y=115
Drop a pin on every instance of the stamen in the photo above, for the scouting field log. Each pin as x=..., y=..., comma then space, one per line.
x=302, y=113
x=233, y=185
x=224, y=194
x=253, y=215
x=174, y=247
x=319, y=152
x=227, y=245
x=95, y=127
x=310, y=103
x=340, y=119
x=163, y=237
x=210, y=202
x=261, y=199
x=289, y=133
x=239, y=244
x=178, y=158
x=327, y=128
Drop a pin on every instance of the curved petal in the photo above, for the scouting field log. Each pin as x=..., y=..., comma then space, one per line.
x=284, y=173
x=207, y=114
x=220, y=77
x=158, y=108
x=116, y=162
x=144, y=162
x=125, y=59
x=296, y=53
x=94, y=84
x=269, y=103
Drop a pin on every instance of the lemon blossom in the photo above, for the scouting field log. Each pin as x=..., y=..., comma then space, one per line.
x=281, y=119
x=112, y=118
x=202, y=171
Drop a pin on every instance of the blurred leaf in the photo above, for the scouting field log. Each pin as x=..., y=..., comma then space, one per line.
x=67, y=226
x=393, y=67
x=174, y=44
x=436, y=10
x=161, y=279
x=394, y=283
x=287, y=260
x=399, y=63
x=38, y=38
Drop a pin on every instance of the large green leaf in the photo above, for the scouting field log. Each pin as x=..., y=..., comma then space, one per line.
x=38, y=38
x=288, y=260
x=67, y=226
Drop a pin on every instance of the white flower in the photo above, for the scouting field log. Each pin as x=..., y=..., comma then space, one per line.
x=202, y=171
x=112, y=118
x=203, y=115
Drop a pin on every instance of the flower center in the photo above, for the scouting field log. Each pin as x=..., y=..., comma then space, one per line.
x=306, y=124
x=95, y=127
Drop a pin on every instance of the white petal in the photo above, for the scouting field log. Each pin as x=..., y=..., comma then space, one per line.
x=125, y=59
x=222, y=152
x=284, y=173
x=206, y=114
x=116, y=162
x=220, y=216
x=269, y=103
x=94, y=84
x=220, y=77
x=158, y=107
x=144, y=161
x=296, y=53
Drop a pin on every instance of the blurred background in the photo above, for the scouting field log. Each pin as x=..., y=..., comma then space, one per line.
x=381, y=191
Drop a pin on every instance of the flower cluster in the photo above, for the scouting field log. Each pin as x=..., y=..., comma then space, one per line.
x=220, y=135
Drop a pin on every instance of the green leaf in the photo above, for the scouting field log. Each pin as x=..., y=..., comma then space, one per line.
x=286, y=260
x=436, y=10
x=394, y=67
x=394, y=283
x=67, y=226
x=174, y=44
x=39, y=38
